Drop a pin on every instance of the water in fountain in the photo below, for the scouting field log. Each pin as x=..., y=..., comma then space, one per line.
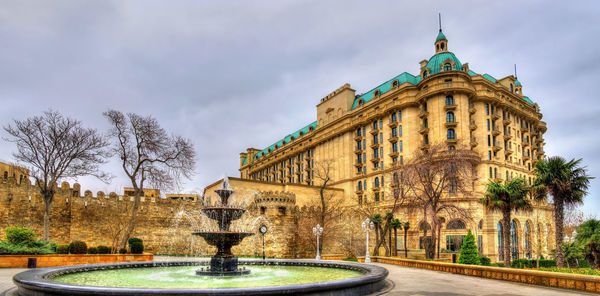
x=223, y=262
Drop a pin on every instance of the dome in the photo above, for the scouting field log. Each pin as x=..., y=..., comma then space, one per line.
x=440, y=36
x=517, y=83
x=434, y=64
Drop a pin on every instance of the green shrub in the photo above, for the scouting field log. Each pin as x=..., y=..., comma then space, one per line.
x=136, y=245
x=103, y=250
x=122, y=251
x=586, y=271
x=37, y=248
x=468, y=251
x=547, y=263
x=485, y=260
x=92, y=250
x=62, y=249
x=584, y=264
x=136, y=248
x=78, y=247
x=20, y=236
x=521, y=263
x=498, y=264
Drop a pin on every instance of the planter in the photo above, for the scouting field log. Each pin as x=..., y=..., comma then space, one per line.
x=20, y=261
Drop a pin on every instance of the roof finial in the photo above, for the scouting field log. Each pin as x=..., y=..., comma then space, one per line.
x=440, y=20
x=516, y=72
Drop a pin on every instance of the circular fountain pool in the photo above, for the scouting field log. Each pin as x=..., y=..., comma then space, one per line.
x=179, y=278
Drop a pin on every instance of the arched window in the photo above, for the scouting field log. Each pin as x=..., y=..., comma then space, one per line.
x=514, y=240
x=425, y=74
x=376, y=182
x=511, y=87
x=360, y=102
x=377, y=93
x=456, y=224
x=480, y=224
x=424, y=226
x=447, y=67
x=450, y=116
x=527, y=238
x=499, y=228
x=359, y=185
x=395, y=83
x=450, y=134
x=449, y=100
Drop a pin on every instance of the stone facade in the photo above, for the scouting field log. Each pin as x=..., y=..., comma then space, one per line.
x=446, y=103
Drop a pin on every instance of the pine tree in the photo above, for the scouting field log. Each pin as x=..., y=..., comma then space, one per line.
x=468, y=251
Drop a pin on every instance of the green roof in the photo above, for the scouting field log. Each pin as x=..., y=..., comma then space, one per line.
x=285, y=140
x=489, y=77
x=471, y=73
x=386, y=86
x=440, y=36
x=517, y=83
x=245, y=161
x=434, y=64
x=528, y=100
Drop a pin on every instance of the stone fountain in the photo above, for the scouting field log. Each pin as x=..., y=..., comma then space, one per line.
x=223, y=262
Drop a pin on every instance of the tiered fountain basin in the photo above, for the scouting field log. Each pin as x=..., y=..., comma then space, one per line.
x=269, y=277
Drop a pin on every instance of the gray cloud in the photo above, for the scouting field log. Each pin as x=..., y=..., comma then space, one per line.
x=230, y=75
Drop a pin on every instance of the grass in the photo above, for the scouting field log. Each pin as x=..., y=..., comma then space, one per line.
x=351, y=259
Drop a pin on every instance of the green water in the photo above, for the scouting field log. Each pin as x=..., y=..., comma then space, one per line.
x=185, y=277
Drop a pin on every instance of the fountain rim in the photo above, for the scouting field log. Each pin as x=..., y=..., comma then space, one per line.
x=39, y=281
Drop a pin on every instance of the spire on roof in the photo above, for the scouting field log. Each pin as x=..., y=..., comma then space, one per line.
x=440, y=41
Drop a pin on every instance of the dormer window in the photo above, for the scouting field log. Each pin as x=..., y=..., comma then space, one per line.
x=376, y=93
x=424, y=74
x=447, y=67
x=395, y=83
x=511, y=87
x=360, y=102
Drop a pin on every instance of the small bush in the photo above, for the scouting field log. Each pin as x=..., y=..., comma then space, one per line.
x=547, y=263
x=103, y=250
x=136, y=248
x=468, y=251
x=136, y=245
x=584, y=264
x=78, y=247
x=20, y=236
x=498, y=264
x=92, y=250
x=122, y=251
x=586, y=271
x=7, y=248
x=62, y=249
x=521, y=263
x=485, y=260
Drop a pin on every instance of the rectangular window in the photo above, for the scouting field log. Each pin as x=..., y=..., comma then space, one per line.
x=489, y=141
x=479, y=244
x=381, y=138
x=491, y=172
x=401, y=159
x=380, y=123
x=375, y=139
x=394, y=147
x=400, y=145
x=381, y=151
x=490, y=155
x=393, y=117
x=381, y=167
x=453, y=242
x=399, y=131
x=488, y=124
x=394, y=159
x=394, y=132
x=487, y=109
x=375, y=125
x=400, y=116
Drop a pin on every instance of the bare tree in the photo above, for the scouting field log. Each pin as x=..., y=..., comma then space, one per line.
x=148, y=155
x=56, y=148
x=431, y=176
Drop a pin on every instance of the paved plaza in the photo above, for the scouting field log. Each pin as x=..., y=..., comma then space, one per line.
x=410, y=281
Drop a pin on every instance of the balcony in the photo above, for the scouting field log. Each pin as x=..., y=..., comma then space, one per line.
x=393, y=124
x=525, y=157
x=358, y=164
x=495, y=116
x=423, y=113
x=376, y=188
x=358, y=172
x=450, y=107
x=524, y=143
x=508, y=150
x=307, y=168
x=375, y=159
x=375, y=131
x=358, y=137
x=539, y=139
x=358, y=151
x=451, y=141
x=424, y=129
x=359, y=191
x=507, y=136
x=394, y=154
x=450, y=124
x=506, y=121
x=424, y=145
x=497, y=147
x=298, y=172
x=473, y=142
x=472, y=125
x=472, y=108
x=375, y=145
x=393, y=138
x=495, y=130
x=524, y=129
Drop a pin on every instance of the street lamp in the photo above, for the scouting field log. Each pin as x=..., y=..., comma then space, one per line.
x=263, y=229
x=367, y=226
x=318, y=231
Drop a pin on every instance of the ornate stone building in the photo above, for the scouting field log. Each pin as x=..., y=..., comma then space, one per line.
x=446, y=103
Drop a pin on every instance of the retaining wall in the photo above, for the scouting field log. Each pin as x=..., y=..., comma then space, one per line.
x=20, y=261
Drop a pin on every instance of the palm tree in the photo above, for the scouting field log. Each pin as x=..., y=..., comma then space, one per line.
x=406, y=227
x=507, y=197
x=396, y=224
x=377, y=219
x=568, y=183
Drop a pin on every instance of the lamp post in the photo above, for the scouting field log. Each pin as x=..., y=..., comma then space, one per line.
x=318, y=231
x=263, y=229
x=367, y=226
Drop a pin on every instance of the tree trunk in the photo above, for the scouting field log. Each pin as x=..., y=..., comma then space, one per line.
x=131, y=224
x=558, y=221
x=405, y=244
x=439, y=239
x=390, y=239
x=48, y=197
x=377, y=242
x=506, y=236
x=395, y=241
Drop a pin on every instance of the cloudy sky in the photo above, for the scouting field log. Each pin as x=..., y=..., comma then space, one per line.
x=231, y=75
